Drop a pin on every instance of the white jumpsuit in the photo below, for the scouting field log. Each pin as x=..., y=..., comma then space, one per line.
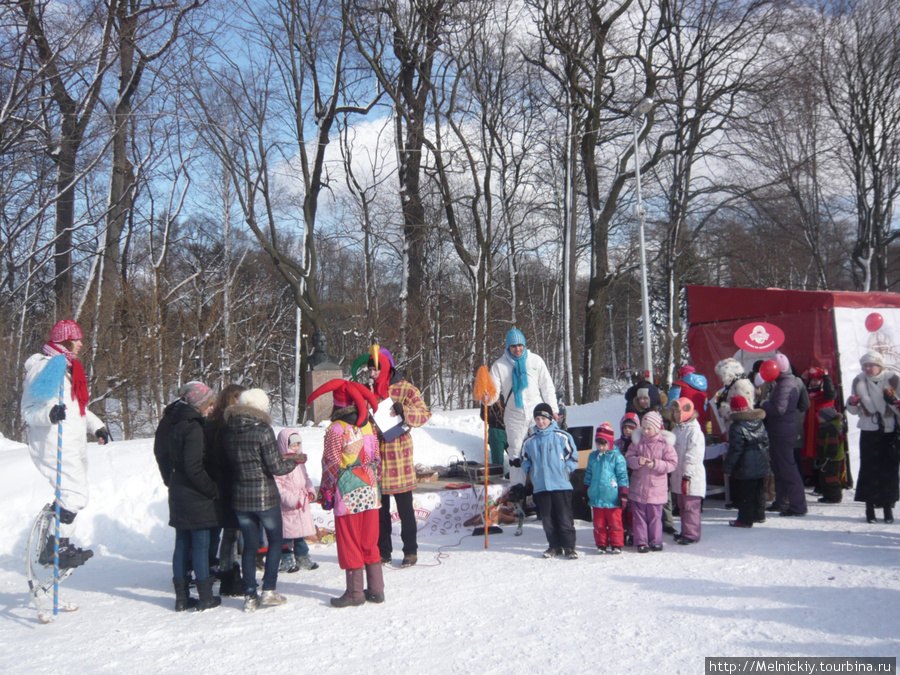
x=518, y=421
x=43, y=439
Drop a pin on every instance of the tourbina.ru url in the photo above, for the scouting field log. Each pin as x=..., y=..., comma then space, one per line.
x=790, y=664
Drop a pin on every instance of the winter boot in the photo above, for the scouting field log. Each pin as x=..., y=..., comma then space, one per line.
x=888, y=514
x=70, y=555
x=870, y=513
x=231, y=585
x=288, y=564
x=305, y=563
x=272, y=597
x=375, y=581
x=251, y=602
x=205, y=591
x=409, y=560
x=183, y=599
x=353, y=596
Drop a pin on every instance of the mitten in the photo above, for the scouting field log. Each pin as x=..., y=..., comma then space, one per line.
x=853, y=400
x=623, y=497
x=103, y=435
x=57, y=413
x=515, y=461
x=327, y=499
x=890, y=395
x=685, y=485
x=398, y=409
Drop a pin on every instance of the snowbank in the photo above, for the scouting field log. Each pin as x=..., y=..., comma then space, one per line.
x=824, y=585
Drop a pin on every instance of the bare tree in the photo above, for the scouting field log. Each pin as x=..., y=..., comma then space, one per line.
x=859, y=63
x=73, y=51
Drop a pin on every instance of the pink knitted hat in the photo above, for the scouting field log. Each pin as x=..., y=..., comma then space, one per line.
x=65, y=330
x=654, y=419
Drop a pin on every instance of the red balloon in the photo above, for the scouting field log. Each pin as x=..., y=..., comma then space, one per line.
x=769, y=371
x=874, y=321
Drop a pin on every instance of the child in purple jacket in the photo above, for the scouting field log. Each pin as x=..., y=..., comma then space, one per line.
x=651, y=457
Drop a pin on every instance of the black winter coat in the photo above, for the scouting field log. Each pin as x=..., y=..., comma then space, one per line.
x=161, y=441
x=191, y=490
x=748, y=446
x=219, y=469
x=254, y=458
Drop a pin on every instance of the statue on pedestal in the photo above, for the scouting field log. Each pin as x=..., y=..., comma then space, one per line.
x=320, y=359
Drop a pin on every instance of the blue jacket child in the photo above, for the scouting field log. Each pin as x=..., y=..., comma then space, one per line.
x=549, y=454
x=606, y=472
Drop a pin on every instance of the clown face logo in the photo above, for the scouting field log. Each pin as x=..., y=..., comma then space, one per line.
x=759, y=335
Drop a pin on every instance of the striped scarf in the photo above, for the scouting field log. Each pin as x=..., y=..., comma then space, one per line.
x=79, y=381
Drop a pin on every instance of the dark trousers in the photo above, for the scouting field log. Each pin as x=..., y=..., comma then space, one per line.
x=556, y=517
x=750, y=500
x=789, y=493
x=404, y=501
x=191, y=545
x=252, y=523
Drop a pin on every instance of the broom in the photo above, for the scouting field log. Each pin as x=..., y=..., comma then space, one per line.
x=484, y=385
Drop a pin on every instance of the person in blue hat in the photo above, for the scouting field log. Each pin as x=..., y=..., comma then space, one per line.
x=522, y=381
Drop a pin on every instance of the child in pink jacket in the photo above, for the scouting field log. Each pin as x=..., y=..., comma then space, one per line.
x=651, y=457
x=297, y=494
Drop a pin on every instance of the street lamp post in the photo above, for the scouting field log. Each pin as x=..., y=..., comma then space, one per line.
x=638, y=115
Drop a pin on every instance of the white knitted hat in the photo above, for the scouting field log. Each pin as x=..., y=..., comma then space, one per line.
x=872, y=357
x=255, y=398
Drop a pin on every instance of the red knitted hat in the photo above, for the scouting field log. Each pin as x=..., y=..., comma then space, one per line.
x=65, y=330
x=605, y=431
x=739, y=404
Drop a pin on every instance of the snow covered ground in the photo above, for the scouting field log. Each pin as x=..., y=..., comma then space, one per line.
x=824, y=585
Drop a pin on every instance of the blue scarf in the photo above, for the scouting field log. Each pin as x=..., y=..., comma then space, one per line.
x=519, y=377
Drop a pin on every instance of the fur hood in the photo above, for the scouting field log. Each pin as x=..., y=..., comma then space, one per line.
x=257, y=415
x=748, y=415
x=729, y=370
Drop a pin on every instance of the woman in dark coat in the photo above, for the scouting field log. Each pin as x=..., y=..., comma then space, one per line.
x=180, y=451
x=219, y=469
x=782, y=415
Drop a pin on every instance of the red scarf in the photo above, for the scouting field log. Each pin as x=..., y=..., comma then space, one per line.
x=79, y=381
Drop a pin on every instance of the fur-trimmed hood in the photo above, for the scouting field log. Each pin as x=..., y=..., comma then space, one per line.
x=748, y=415
x=256, y=415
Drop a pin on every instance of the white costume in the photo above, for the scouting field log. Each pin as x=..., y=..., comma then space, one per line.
x=731, y=372
x=518, y=421
x=43, y=439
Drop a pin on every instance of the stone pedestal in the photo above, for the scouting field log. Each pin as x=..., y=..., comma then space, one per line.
x=321, y=408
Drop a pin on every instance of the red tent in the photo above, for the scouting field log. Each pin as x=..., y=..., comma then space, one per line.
x=821, y=328
x=806, y=317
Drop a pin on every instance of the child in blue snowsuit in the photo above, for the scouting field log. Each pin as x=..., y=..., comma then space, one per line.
x=549, y=455
x=606, y=488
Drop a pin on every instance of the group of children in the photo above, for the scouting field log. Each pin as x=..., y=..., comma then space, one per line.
x=633, y=475
x=627, y=481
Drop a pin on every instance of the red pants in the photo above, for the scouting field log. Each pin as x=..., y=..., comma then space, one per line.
x=356, y=535
x=608, y=527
